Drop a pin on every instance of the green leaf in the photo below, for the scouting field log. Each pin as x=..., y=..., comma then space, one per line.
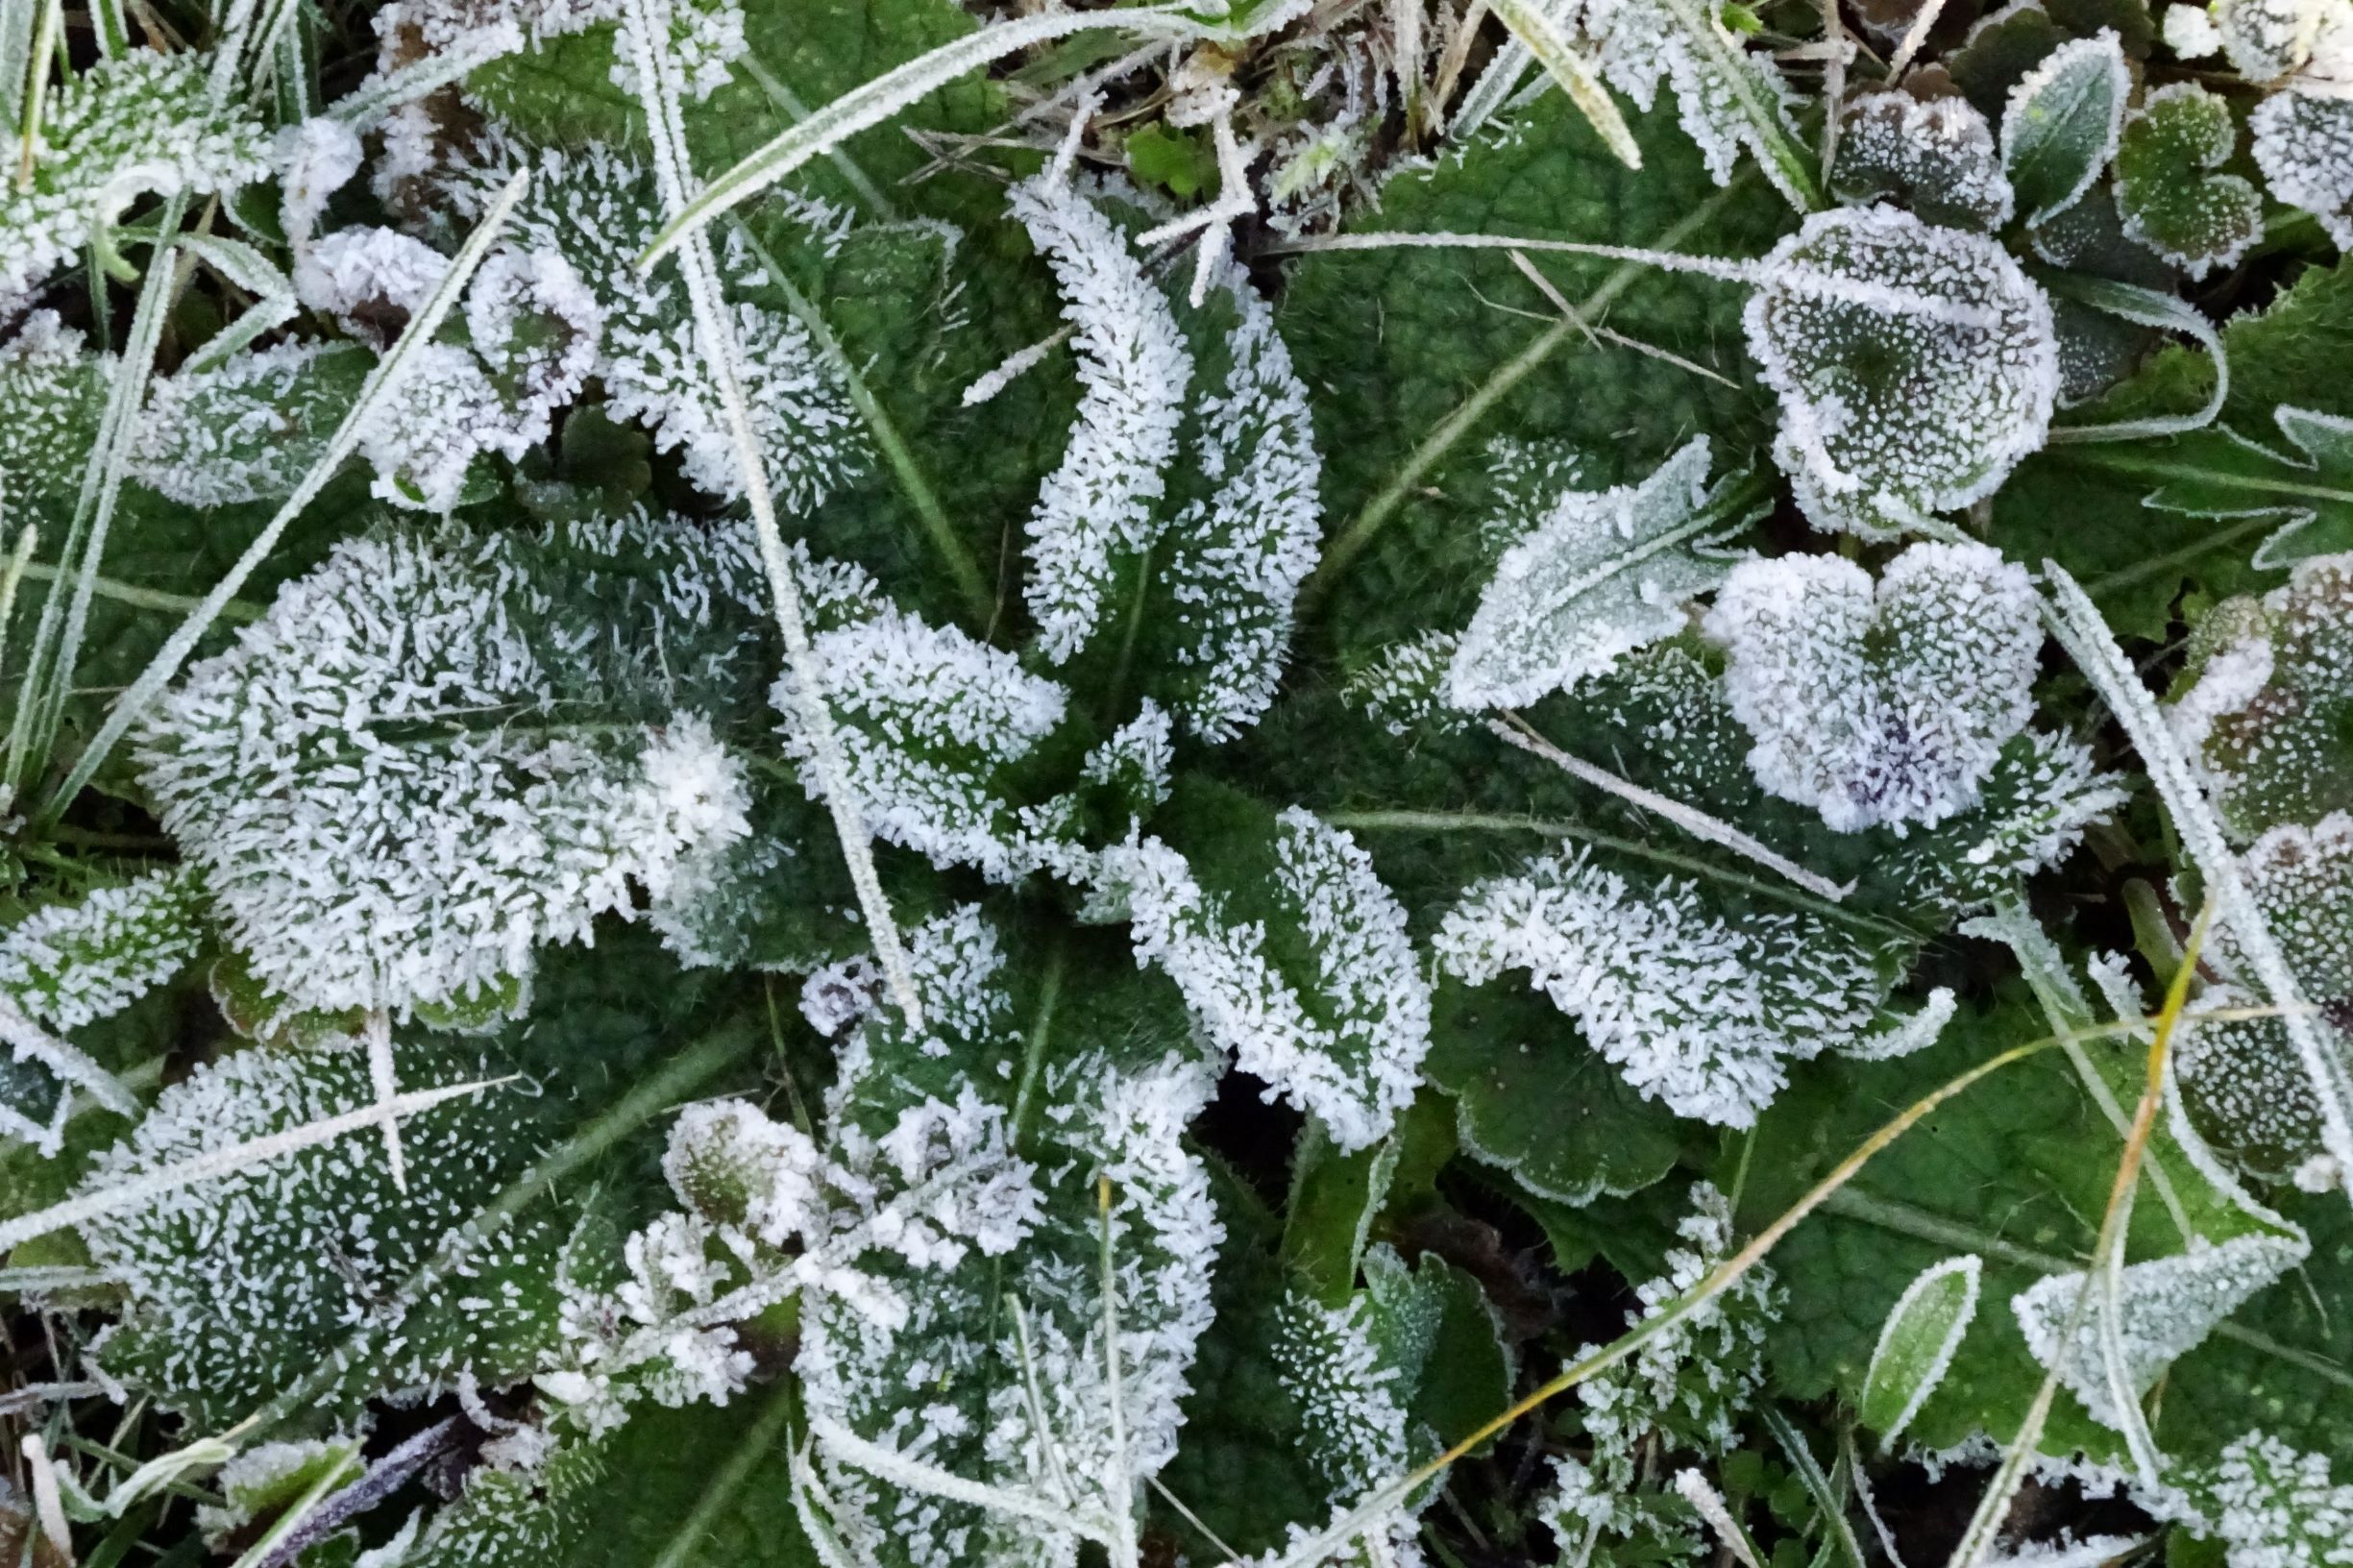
x=1915, y=1347
x=1181, y=162
x=1419, y=359
x=2307, y=485
x=1597, y=576
x=2166, y=188
x=2080, y=504
x=2059, y=128
x=1534, y=1099
x=2017, y=1171
x=309, y=1282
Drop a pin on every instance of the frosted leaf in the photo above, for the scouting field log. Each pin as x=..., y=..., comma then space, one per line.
x=1725, y=96
x=422, y=443
x=1699, y=1010
x=2304, y=146
x=2244, y=1090
x=535, y=327
x=69, y=965
x=2167, y=1307
x=1238, y=554
x=1404, y=688
x=369, y=279
x=117, y=129
x=1337, y=1017
x=1934, y=156
x=2269, y=694
x=992, y=1370
x=1682, y=1392
x=1599, y=574
x=1916, y=366
x=1916, y=1343
x=2032, y=809
x=2302, y=880
x=319, y=157
x=2166, y=190
x=243, y=1284
x=928, y=719
x=1883, y=706
x=2060, y=125
x=2267, y=39
x=377, y=785
x=1133, y=763
x=2189, y=31
x=1133, y=373
x=249, y=429
x=597, y=208
x=52, y=393
x=2275, y=1506
x=265, y=1481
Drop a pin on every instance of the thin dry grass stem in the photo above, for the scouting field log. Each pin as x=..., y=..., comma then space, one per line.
x=2107, y=1252
x=1314, y=1549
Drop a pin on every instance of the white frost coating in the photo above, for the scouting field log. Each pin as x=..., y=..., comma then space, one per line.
x=2169, y=1306
x=1134, y=370
x=117, y=130
x=369, y=279
x=1136, y=758
x=1684, y=1392
x=248, y=428
x=537, y=328
x=2218, y=217
x=595, y=206
x=926, y=718
x=2265, y=40
x=1936, y=157
x=2067, y=75
x=2189, y=31
x=317, y=159
x=707, y=36
x=422, y=444
x=1879, y=708
x=1602, y=574
x=2278, y=1507
x=1697, y=1010
x=1343, y=1041
x=1238, y=555
x=1725, y=96
x=1359, y=1435
x=2304, y=146
x=51, y=390
x=1916, y=366
x=1927, y=1375
x=2085, y=634
x=70, y=965
x=1404, y=688
x=378, y=787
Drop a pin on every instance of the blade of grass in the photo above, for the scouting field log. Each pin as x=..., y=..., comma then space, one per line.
x=1994, y=1507
x=659, y=91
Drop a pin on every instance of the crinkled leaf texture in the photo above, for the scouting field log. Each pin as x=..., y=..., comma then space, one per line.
x=392, y=800
x=1700, y=1008
x=1935, y=157
x=1292, y=955
x=1915, y=365
x=303, y=1269
x=1883, y=703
